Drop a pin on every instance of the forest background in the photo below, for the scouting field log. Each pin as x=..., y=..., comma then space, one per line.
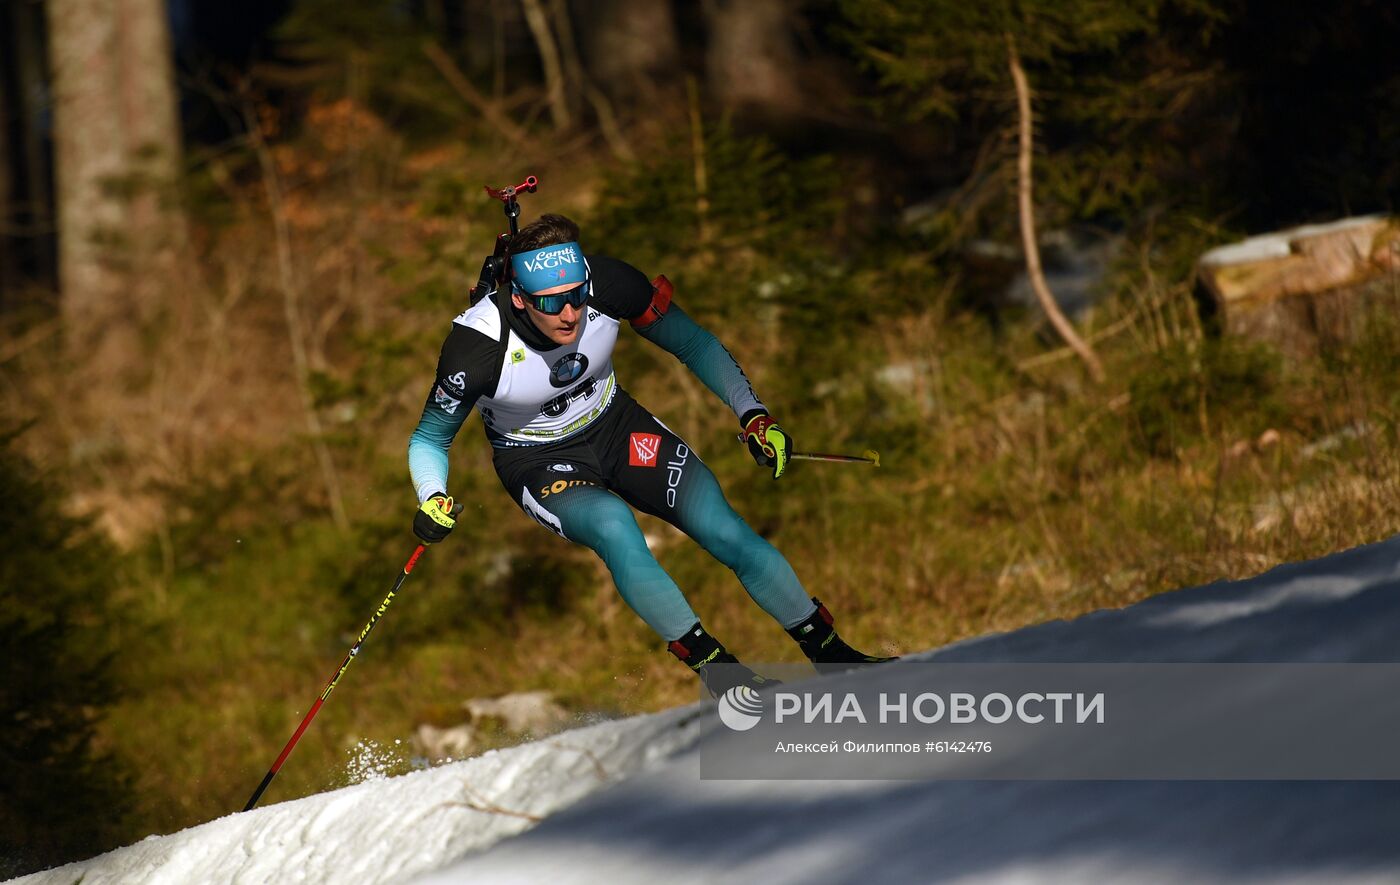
x=232, y=237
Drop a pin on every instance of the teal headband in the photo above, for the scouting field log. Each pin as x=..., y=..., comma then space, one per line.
x=551, y=266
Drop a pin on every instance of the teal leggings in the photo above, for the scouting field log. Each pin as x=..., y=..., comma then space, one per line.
x=582, y=491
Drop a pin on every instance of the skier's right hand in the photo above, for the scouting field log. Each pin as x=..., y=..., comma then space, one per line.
x=435, y=518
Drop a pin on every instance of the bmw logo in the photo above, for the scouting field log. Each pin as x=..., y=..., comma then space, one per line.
x=568, y=369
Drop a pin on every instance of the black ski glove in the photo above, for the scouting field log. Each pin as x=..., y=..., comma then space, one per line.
x=435, y=518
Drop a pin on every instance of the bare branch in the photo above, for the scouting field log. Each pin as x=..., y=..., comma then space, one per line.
x=463, y=87
x=1028, y=240
x=291, y=309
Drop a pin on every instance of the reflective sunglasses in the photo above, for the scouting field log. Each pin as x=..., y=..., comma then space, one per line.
x=552, y=304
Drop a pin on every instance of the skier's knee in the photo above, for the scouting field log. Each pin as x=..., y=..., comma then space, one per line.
x=612, y=525
x=729, y=537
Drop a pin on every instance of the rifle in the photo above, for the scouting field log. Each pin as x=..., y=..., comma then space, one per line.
x=495, y=270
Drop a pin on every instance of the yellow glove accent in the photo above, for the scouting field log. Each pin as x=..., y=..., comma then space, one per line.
x=768, y=443
x=781, y=445
x=439, y=510
x=434, y=519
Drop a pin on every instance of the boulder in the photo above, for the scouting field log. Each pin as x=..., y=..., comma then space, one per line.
x=533, y=713
x=1304, y=287
x=456, y=742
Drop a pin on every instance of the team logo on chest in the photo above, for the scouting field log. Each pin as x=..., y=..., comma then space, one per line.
x=568, y=369
x=644, y=449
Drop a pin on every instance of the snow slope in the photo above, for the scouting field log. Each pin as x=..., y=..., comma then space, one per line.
x=625, y=802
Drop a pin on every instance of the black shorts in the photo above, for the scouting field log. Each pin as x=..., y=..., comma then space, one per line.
x=626, y=450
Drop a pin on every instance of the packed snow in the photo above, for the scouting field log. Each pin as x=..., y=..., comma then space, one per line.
x=623, y=802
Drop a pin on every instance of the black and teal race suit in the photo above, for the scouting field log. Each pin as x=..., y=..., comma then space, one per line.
x=573, y=449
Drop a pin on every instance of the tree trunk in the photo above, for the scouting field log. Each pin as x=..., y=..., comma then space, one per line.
x=573, y=70
x=630, y=47
x=556, y=89
x=1028, y=239
x=117, y=153
x=33, y=189
x=9, y=212
x=751, y=60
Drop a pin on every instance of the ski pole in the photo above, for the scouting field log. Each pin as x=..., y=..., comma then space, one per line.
x=344, y=665
x=869, y=456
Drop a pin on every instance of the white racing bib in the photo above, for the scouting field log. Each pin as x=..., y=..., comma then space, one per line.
x=546, y=396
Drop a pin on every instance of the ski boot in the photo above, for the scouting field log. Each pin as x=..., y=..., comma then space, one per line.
x=699, y=651
x=827, y=651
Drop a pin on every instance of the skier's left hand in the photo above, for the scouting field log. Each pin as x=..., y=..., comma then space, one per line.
x=768, y=443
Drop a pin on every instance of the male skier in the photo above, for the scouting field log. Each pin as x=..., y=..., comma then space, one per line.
x=573, y=449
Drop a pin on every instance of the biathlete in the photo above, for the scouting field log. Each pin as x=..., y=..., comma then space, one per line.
x=574, y=450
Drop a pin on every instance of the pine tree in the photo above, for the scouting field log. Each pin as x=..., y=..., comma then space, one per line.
x=61, y=800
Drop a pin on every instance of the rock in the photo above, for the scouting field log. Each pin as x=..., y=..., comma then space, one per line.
x=456, y=742
x=1304, y=287
x=1076, y=262
x=533, y=713
x=525, y=711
